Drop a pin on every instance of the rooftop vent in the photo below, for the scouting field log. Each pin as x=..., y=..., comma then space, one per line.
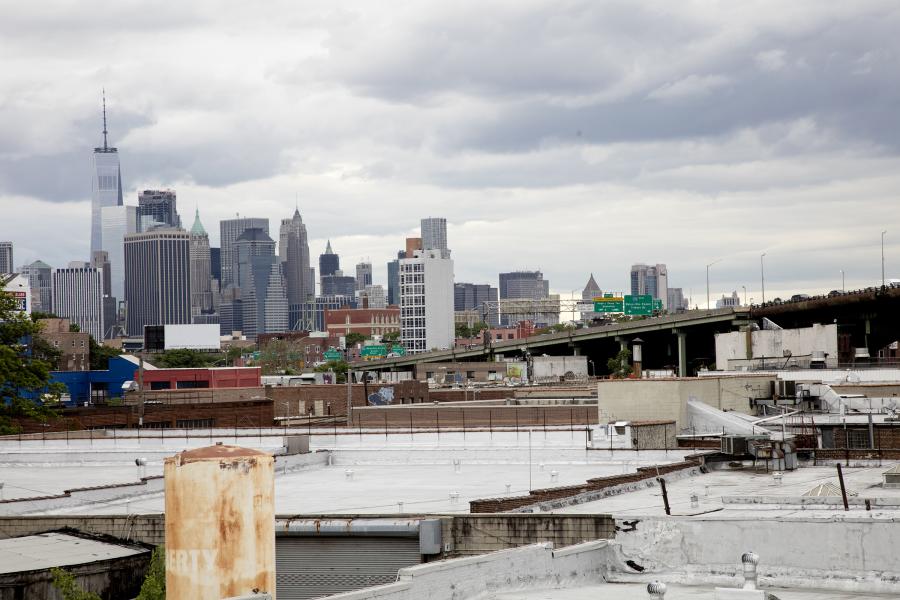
x=891, y=477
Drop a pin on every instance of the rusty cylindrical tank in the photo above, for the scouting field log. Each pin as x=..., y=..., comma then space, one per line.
x=220, y=523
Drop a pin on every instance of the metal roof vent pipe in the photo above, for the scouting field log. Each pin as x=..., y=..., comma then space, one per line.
x=657, y=590
x=141, y=464
x=454, y=497
x=554, y=476
x=348, y=474
x=750, y=560
x=457, y=465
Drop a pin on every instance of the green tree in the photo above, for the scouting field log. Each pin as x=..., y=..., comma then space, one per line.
x=100, y=354
x=338, y=366
x=620, y=366
x=65, y=583
x=391, y=336
x=74, y=328
x=24, y=375
x=281, y=357
x=182, y=358
x=38, y=315
x=154, y=586
x=354, y=338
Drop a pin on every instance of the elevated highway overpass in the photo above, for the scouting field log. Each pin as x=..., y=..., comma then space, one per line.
x=868, y=318
x=669, y=340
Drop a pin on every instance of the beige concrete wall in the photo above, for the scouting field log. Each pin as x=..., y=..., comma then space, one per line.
x=655, y=399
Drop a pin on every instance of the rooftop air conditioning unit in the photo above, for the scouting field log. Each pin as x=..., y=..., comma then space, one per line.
x=891, y=477
x=733, y=444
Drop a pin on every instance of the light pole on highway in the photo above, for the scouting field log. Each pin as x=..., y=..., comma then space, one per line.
x=707, y=280
x=762, y=274
x=843, y=287
x=745, y=294
x=882, y=259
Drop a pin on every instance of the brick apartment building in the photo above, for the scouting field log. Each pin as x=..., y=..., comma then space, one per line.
x=520, y=331
x=74, y=347
x=365, y=321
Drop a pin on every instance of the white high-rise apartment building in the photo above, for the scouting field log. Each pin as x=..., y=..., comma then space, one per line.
x=426, y=301
x=652, y=280
x=434, y=235
x=78, y=296
x=117, y=222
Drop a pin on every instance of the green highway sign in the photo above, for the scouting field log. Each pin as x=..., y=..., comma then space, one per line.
x=398, y=350
x=332, y=355
x=373, y=351
x=608, y=304
x=639, y=305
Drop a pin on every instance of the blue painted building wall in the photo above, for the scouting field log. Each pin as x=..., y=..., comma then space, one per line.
x=80, y=383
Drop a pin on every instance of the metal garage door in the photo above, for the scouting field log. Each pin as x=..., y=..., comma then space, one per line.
x=310, y=567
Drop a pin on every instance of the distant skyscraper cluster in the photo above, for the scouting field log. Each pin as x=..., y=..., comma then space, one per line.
x=145, y=269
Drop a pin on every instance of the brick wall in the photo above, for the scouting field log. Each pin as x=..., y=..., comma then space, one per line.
x=496, y=505
x=305, y=397
x=474, y=416
x=479, y=534
x=885, y=436
x=148, y=529
x=250, y=413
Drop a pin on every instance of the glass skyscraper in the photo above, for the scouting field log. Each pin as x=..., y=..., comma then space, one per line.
x=107, y=185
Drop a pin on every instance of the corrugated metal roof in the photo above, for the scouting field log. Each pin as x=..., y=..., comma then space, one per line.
x=827, y=489
x=55, y=549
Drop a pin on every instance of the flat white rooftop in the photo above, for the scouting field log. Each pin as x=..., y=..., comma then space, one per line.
x=628, y=591
x=415, y=469
x=47, y=550
x=743, y=493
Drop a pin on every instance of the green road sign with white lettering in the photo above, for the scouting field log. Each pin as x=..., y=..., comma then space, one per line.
x=639, y=305
x=398, y=350
x=608, y=304
x=332, y=355
x=373, y=351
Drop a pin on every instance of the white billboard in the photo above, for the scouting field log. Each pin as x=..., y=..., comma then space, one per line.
x=191, y=337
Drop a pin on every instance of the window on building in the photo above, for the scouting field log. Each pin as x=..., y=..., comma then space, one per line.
x=857, y=438
x=160, y=385
x=195, y=423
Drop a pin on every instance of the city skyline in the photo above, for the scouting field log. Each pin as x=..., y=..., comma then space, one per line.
x=567, y=158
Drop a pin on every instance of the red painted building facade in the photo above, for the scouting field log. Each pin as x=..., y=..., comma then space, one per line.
x=183, y=379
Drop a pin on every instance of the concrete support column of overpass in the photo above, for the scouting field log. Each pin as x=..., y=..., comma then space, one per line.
x=682, y=352
x=623, y=342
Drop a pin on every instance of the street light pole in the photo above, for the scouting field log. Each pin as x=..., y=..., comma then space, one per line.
x=843, y=287
x=707, y=281
x=762, y=274
x=882, y=258
x=745, y=294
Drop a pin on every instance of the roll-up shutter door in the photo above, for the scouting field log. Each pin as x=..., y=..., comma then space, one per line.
x=310, y=567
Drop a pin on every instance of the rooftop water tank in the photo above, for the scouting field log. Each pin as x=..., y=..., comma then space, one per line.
x=220, y=523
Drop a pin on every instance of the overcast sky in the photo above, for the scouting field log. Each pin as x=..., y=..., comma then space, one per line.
x=571, y=137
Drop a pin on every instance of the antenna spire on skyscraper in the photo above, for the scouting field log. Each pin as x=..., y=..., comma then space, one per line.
x=104, y=120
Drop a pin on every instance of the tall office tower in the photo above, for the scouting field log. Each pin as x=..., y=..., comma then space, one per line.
x=158, y=207
x=257, y=273
x=426, y=301
x=115, y=223
x=338, y=285
x=201, y=291
x=373, y=297
x=363, y=275
x=524, y=284
x=100, y=260
x=78, y=296
x=157, y=279
x=329, y=264
x=106, y=184
x=652, y=280
x=676, y=300
x=476, y=296
x=215, y=263
x=293, y=253
x=40, y=278
x=591, y=290
x=6, y=257
x=229, y=231
x=434, y=235
x=393, y=275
